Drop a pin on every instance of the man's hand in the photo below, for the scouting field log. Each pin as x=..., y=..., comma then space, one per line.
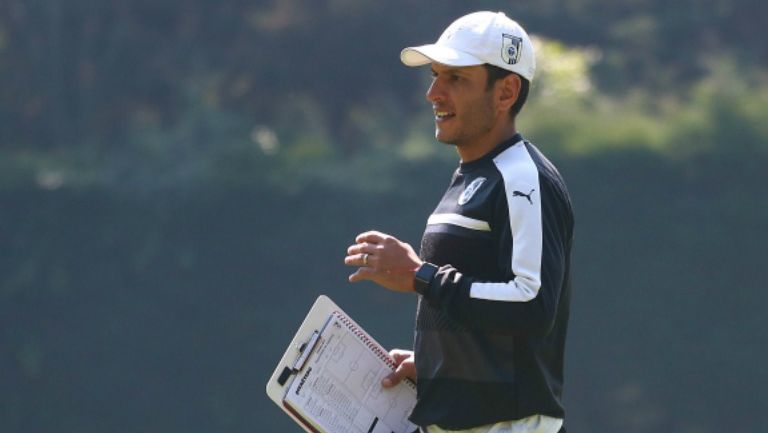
x=383, y=259
x=406, y=367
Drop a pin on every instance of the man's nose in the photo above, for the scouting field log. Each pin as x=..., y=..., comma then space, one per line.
x=434, y=92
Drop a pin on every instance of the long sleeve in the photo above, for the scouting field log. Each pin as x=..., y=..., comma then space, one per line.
x=533, y=239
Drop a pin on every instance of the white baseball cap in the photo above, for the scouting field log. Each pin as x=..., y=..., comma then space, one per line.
x=478, y=38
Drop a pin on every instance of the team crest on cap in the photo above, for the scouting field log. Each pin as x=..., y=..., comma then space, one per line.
x=470, y=190
x=510, y=48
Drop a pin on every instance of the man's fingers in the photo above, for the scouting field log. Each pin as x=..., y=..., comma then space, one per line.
x=391, y=380
x=405, y=367
x=359, y=254
x=362, y=274
x=357, y=259
x=397, y=376
x=400, y=355
x=360, y=248
x=361, y=259
x=373, y=237
x=354, y=249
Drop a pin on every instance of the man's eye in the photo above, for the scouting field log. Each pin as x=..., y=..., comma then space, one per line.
x=454, y=77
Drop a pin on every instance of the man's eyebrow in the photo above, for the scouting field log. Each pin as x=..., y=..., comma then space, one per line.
x=448, y=70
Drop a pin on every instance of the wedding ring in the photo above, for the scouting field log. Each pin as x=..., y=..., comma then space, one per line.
x=365, y=259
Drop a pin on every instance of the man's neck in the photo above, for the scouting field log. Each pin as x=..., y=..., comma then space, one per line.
x=469, y=153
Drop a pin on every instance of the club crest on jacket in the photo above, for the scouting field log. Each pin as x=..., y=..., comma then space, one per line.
x=470, y=190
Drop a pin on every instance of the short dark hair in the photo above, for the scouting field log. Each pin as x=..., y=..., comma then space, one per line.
x=496, y=73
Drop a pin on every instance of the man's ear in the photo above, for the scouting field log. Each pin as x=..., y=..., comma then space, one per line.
x=510, y=91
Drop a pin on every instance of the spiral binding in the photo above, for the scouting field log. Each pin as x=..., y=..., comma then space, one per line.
x=369, y=342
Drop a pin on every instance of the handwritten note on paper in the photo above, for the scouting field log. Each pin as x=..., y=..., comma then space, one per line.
x=340, y=387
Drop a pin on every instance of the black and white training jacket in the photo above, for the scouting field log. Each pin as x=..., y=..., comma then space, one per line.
x=491, y=326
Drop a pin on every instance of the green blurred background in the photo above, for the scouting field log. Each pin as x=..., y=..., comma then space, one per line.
x=180, y=180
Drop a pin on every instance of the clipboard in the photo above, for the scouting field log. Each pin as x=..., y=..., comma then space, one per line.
x=310, y=337
x=299, y=347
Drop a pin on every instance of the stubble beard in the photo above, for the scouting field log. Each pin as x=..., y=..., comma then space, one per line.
x=477, y=123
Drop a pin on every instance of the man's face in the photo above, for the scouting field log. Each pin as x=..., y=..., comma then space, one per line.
x=464, y=108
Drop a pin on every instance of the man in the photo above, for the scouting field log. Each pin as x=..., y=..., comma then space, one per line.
x=493, y=274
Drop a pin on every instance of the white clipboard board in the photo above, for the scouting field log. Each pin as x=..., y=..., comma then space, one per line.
x=278, y=384
x=311, y=335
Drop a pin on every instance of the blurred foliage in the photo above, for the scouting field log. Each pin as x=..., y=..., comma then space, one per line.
x=142, y=94
x=721, y=113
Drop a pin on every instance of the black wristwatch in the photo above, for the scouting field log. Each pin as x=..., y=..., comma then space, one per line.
x=423, y=277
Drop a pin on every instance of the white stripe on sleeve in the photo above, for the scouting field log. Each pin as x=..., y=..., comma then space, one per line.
x=521, y=184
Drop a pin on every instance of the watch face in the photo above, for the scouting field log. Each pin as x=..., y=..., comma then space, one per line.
x=423, y=277
x=423, y=273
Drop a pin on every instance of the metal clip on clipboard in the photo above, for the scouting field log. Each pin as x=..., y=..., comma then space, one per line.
x=305, y=350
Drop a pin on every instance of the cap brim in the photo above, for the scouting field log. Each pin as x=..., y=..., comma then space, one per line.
x=417, y=56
